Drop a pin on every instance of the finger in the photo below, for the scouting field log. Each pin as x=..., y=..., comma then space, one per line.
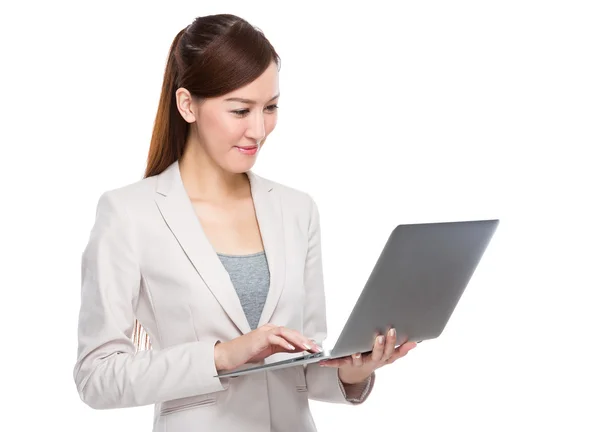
x=357, y=360
x=298, y=339
x=330, y=363
x=279, y=341
x=402, y=350
x=390, y=343
x=377, y=353
x=336, y=362
x=287, y=335
x=406, y=347
x=316, y=345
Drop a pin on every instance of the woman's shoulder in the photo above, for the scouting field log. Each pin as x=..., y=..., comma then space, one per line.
x=132, y=193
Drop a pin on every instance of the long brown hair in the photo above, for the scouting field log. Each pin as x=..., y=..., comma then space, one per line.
x=211, y=57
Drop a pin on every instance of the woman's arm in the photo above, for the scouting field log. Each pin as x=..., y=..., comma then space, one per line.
x=108, y=372
x=323, y=383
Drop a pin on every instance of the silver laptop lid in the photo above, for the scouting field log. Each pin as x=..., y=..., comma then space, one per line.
x=416, y=283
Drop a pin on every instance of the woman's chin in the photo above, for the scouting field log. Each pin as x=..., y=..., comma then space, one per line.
x=241, y=166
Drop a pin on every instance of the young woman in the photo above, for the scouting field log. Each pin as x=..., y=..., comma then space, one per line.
x=220, y=266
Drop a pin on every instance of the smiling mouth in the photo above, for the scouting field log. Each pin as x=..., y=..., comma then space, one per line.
x=247, y=150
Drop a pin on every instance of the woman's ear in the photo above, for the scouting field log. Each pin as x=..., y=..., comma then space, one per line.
x=186, y=104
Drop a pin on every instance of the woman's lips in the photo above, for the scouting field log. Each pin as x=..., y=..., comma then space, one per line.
x=247, y=150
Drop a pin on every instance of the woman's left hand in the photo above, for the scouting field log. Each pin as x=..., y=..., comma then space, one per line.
x=357, y=368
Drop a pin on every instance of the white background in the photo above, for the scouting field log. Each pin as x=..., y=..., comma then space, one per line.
x=389, y=113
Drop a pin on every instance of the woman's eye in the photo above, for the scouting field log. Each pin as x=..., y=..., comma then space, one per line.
x=243, y=112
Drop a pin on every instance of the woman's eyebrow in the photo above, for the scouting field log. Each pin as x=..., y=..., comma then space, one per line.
x=248, y=101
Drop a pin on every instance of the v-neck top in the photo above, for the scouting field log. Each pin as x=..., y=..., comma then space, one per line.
x=250, y=277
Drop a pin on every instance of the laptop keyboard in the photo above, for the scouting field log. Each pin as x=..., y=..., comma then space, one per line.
x=288, y=361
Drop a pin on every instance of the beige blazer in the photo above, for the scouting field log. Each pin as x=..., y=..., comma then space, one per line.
x=148, y=257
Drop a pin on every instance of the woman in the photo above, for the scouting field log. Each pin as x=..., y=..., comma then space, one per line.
x=221, y=266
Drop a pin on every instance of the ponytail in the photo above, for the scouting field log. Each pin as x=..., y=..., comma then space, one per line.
x=170, y=129
x=166, y=145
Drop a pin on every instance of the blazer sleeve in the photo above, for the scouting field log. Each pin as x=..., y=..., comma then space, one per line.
x=109, y=373
x=323, y=383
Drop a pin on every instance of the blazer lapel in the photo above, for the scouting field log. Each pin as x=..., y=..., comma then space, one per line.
x=269, y=213
x=179, y=214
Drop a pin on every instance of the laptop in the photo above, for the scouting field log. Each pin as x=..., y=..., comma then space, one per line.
x=414, y=287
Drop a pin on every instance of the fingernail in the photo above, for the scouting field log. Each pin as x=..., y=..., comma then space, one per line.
x=307, y=346
x=357, y=355
x=292, y=347
x=380, y=340
x=392, y=332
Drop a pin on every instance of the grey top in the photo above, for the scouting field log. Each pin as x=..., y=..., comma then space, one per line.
x=250, y=277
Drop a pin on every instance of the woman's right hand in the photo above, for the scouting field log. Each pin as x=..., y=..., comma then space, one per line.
x=253, y=347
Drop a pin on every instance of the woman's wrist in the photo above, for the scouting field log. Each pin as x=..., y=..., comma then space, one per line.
x=348, y=381
x=220, y=357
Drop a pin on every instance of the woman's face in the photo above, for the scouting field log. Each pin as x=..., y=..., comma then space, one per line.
x=231, y=131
